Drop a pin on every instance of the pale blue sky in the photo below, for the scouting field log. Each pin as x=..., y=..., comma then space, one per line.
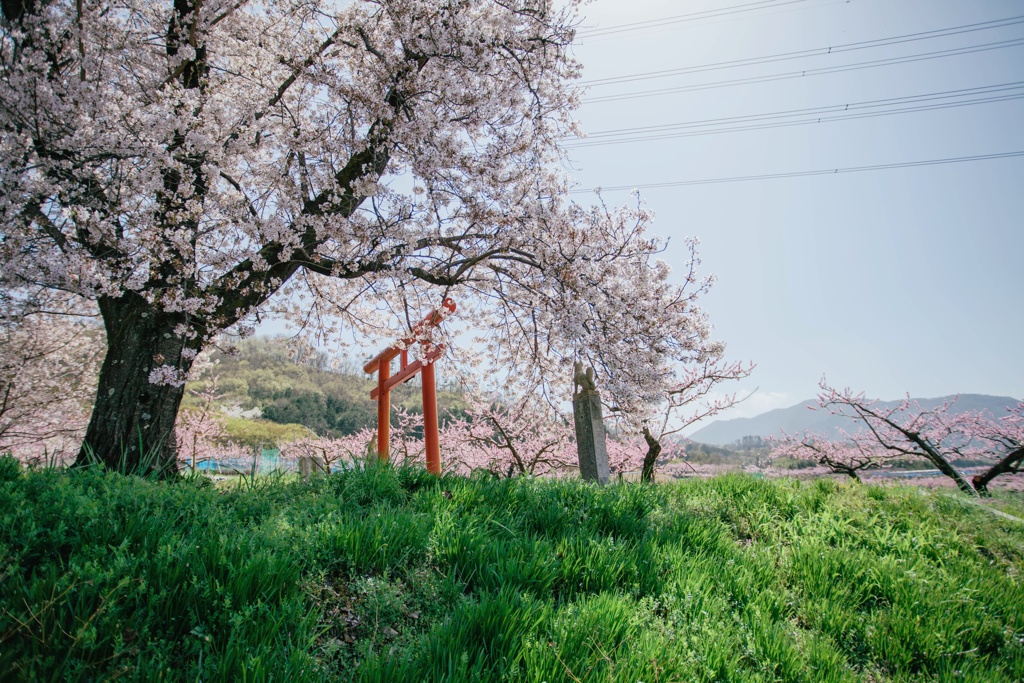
x=889, y=281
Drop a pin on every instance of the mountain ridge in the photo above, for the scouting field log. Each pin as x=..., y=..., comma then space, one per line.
x=799, y=418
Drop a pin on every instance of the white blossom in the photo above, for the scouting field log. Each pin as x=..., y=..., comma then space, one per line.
x=166, y=375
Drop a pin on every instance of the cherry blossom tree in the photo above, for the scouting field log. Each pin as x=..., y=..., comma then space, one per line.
x=1003, y=438
x=191, y=166
x=626, y=453
x=199, y=432
x=692, y=397
x=49, y=360
x=522, y=436
x=905, y=430
x=406, y=444
x=848, y=454
x=507, y=438
x=326, y=451
x=888, y=434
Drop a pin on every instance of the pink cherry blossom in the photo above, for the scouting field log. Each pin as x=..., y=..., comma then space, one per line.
x=200, y=434
x=881, y=436
x=49, y=360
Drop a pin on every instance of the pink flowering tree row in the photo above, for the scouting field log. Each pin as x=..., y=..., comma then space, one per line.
x=519, y=437
x=881, y=436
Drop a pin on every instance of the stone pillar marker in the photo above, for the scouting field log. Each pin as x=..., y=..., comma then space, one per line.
x=590, y=435
x=308, y=465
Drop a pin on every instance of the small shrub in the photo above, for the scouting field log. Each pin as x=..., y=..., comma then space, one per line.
x=10, y=468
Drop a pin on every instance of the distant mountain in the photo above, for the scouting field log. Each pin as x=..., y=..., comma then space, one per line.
x=800, y=418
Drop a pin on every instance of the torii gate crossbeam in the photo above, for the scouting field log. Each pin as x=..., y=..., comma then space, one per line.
x=381, y=364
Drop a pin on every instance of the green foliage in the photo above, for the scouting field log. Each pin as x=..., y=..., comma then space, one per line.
x=312, y=392
x=10, y=468
x=385, y=574
x=254, y=433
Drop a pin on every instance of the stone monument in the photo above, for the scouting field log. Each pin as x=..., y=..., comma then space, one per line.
x=590, y=435
x=308, y=465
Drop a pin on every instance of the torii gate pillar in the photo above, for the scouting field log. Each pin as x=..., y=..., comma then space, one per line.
x=381, y=364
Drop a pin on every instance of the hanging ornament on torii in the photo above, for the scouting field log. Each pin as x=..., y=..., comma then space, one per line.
x=381, y=364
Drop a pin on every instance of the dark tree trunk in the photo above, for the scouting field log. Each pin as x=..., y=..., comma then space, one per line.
x=651, y=457
x=947, y=469
x=937, y=459
x=1010, y=463
x=132, y=425
x=848, y=471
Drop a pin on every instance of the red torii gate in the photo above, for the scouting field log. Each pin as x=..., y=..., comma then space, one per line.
x=381, y=364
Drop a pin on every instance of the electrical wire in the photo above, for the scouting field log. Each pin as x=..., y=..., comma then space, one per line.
x=788, y=124
x=796, y=117
x=799, y=54
x=798, y=174
x=924, y=56
x=945, y=94
x=681, y=18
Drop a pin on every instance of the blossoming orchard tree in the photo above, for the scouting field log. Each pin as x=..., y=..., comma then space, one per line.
x=190, y=165
x=1003, y=438
x=524, y=436
x=888, y=434
x=687, y=400
x=200, y=433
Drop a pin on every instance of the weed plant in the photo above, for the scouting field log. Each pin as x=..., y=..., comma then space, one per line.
x=389, y=574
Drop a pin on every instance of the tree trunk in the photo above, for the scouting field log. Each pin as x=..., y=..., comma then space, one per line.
x=1010, y=463
x=947, y=469
x=939, y=461
x=653, y=451
x=842, y=469
x=132, y=424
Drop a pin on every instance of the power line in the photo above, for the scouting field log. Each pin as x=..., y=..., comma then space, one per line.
x=680, y=18
x=834, y=49
x=945, y=94
x=924, y=56
x=795, y=117
x=787, y=124
x=798, y=174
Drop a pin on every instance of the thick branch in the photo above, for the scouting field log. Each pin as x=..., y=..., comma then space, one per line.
x=1010, y=463
x=651, y=457
x=927, y=449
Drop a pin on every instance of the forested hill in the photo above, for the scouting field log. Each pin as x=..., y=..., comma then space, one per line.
x=263, y=381
x=800, y=418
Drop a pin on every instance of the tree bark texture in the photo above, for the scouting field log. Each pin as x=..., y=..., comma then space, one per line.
x=1010, y=463
x=132, y=425
x=942, y=464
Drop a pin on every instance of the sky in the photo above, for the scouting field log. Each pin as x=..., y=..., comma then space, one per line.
x=887, y=281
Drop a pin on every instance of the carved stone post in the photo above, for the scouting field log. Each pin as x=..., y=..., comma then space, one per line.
x=590, y=434
x=308, y=465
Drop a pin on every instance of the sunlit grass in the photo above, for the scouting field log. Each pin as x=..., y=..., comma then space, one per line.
x=390, y=575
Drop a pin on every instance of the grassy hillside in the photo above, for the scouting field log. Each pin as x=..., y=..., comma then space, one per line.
x=391, y=575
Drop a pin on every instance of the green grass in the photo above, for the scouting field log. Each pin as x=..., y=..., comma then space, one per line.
x=391, y=575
